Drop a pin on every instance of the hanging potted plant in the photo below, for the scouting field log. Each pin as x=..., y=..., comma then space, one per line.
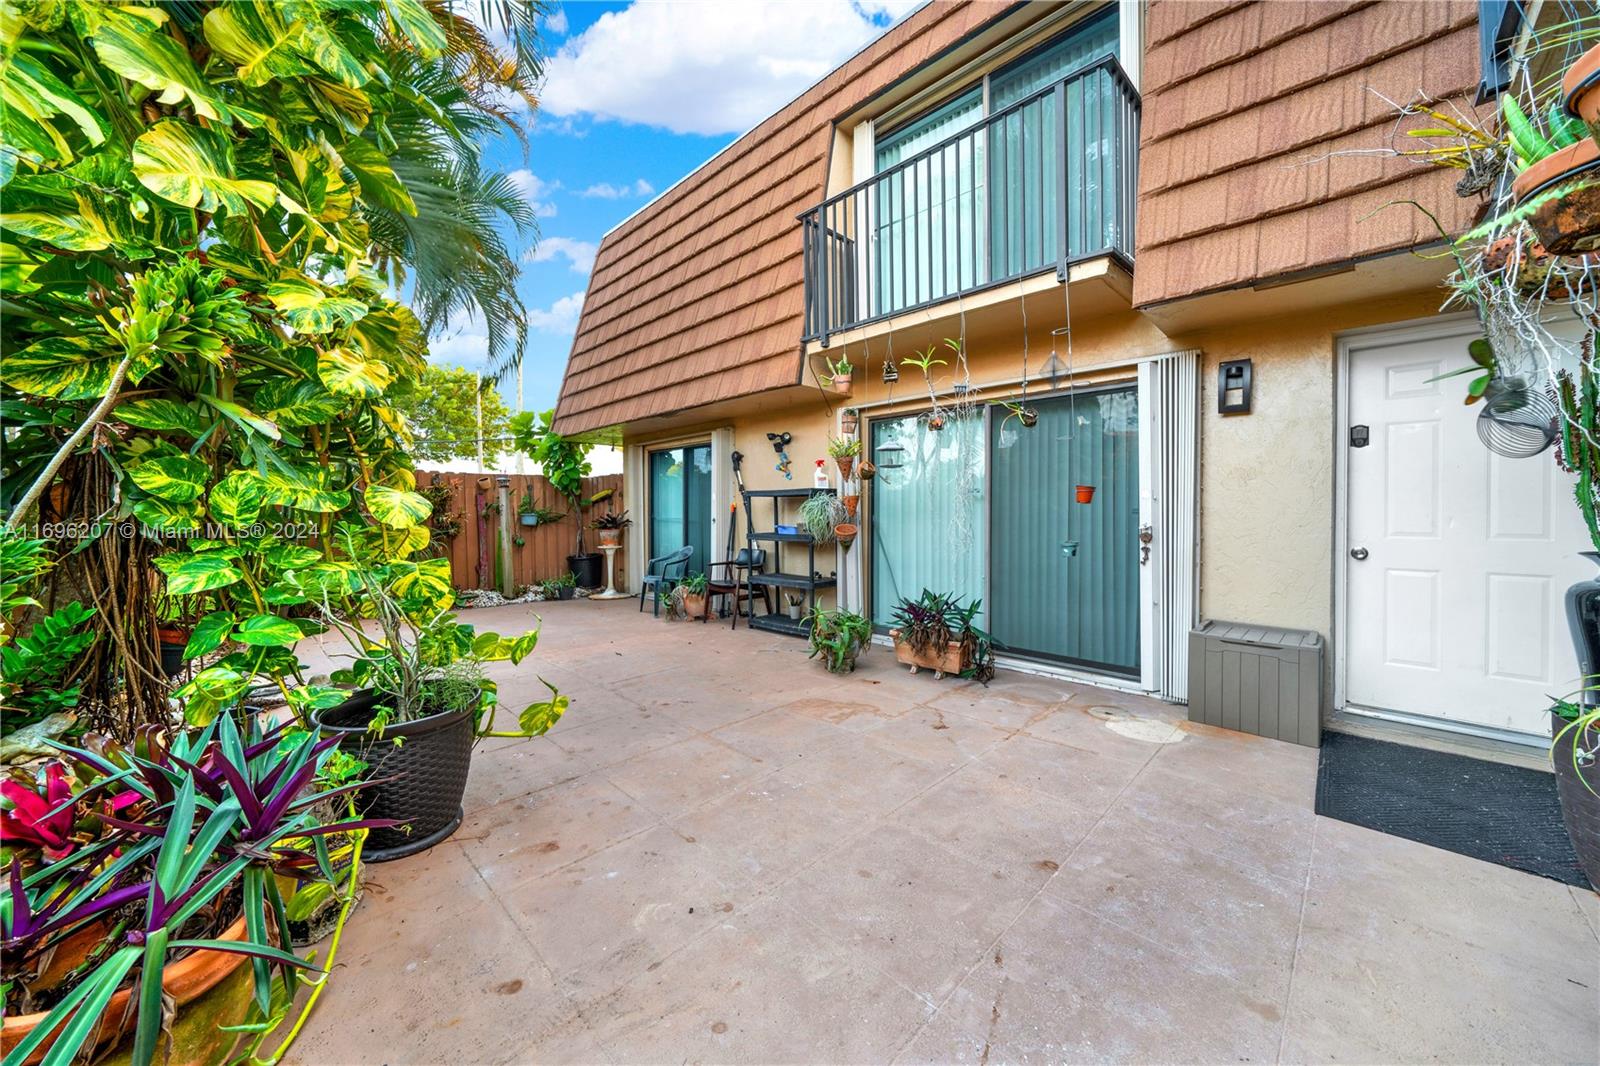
x=840, y=374
x=852, y=503
x=1085, y=493
x=845, y=534
x=1024, y=414
x=1557, y=172
x=820, y=514
x=849, y=420
x=845, y=451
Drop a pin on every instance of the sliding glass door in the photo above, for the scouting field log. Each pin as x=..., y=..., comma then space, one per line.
x=1064, y=573
x=927, y=511
x=680, y=503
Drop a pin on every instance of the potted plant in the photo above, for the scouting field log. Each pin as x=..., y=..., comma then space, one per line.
x=840, y=373
x=609, y=527
x=849, y=419
x=143, y=907
x=421, y=701
x=565, y=462
x=689, y=597
x=173, y=638
x=845, y=451
x=937, y=632
x=838, y=637
x=819, y=514
x=1024, y=414
x=560, y=587
x=795, y=604
x=1555, y=169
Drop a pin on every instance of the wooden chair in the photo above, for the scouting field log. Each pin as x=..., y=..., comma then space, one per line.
x=659, y=583
x=732, y=583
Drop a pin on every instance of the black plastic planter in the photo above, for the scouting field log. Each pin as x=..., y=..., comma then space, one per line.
x=1580, y=806
x=586, y=569
x=429, y=771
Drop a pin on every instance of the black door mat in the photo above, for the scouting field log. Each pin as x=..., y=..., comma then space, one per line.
x=1508, y=815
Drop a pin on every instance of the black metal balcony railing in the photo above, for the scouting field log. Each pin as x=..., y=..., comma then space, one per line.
x=1046, y=182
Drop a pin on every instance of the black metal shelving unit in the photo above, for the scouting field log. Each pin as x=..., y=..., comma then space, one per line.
x=780, y=580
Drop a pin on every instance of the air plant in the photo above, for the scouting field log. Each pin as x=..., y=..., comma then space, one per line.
x=186, y=818
x=1022, y=413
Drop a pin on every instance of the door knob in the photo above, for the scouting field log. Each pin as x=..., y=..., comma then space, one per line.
x=1358, y=554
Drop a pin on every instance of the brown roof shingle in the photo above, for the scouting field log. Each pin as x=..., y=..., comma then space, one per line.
x=1252, y=116
x=698, y=298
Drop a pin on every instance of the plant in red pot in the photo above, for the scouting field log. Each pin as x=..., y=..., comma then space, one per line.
x=1558, y=177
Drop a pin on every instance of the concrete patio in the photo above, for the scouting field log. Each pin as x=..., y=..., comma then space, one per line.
x=725, y=854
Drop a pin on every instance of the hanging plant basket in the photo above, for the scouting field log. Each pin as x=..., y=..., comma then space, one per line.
x=1569, y=223
x=848, y=423
x=850, y=504
x=841, y=384
x=867, y=470
x=847, y=463
x=845, y=534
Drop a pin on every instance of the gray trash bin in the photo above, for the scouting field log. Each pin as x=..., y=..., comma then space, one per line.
x=1257, y=679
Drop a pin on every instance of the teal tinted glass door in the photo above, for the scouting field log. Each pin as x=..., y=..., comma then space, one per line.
x=1064, y=575
x=1028, y=189
x=927, y=518
x=680, y=503
x=928, y=227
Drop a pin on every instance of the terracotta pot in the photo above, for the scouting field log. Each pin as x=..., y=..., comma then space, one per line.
x=1570, y=223
x=185, y=980
x=847, y=463
x=848, y=424
x=850, y=504
x=1580, y=89
x=950, y=662
x=845, y=534
x=1085, y=493
x=841, y=384
x=609, y=537
x=694, y=606
x=173, y=641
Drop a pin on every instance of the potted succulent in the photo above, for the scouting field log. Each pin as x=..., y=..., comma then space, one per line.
x=840, y=374
x=937, y=632
x=838, y=637
x=609, y=526
x=420, y=702
x=142, y=907
x=689, y=597
x=844, y=450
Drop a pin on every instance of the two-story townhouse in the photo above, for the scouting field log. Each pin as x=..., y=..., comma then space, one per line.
x=1107, y=207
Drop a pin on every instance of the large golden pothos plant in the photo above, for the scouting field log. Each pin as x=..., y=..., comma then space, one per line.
x=198, y=344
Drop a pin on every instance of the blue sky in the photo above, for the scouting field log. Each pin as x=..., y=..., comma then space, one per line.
x=637, y=95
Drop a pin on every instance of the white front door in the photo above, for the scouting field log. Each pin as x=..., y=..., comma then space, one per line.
x=1458, y=559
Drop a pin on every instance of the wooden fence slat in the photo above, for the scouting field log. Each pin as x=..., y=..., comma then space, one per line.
x=543, y=553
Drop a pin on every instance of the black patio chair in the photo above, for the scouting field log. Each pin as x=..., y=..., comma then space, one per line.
x=732, y=581
x=674, y=566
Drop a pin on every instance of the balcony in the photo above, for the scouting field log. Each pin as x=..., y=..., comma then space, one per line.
x=1045, y=183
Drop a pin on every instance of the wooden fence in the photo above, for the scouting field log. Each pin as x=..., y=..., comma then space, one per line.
x=545, y=547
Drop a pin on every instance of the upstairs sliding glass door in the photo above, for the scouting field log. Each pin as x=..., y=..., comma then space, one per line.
x=680, y=503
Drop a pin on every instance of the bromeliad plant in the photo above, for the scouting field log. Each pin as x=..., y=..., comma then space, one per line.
x=838, y=637
x=187, y=832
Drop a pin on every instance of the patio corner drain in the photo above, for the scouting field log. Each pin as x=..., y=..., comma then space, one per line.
x=1148, y=730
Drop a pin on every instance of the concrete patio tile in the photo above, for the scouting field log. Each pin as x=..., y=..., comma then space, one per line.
x=687, y=774
x=1245, y=828
x=1286, y=772
x=860, y=773
x=761, y=986
x=618, y=737
x=917, y=912
x=779, y=738
x=1064, y=986
x=464, y=991
x=1006, y=703
x=943, y=1043
x=1588, y=901
x=767, y=831
x=522, y=838
x=1228, y=918
x=1089, y=780
x=846, y=710
x=1025, y=833
x=936, y=738
x=516, y=769
x=1110, y=729
x=608, y=917
x=1378, y=987
x=1536, y=922
x=420, y=891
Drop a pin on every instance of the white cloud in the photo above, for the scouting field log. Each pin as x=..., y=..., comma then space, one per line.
x=606, y=191
x=462, y=341
x=707, y=66
x=559, y=317
x=536, y=191
x=579, y=254
x=556, y=22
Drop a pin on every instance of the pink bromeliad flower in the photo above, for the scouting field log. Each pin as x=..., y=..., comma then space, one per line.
x=45, y=821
